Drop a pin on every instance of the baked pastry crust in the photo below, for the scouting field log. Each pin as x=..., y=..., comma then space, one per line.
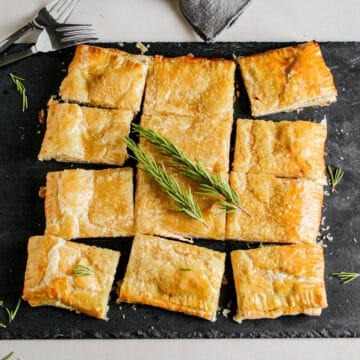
x=286, y=149
x=49, y=278
x=82, y=134
x=279, y=280
x=206, y=140
x=174, y=276
x=108, y=78
x=282, y=210
x=156, y=214
x=89, y=203
x=189, y=86
x=287, y=79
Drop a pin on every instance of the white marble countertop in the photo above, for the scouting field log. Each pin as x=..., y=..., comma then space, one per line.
x=161, y=20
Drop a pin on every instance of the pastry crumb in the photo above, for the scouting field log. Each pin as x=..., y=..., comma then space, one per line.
x=41, y=116
x=143, y=48
x=226, y=312
x=42, y=192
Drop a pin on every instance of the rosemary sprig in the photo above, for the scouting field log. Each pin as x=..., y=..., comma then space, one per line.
x=346, y=277
x=2, y=325
x=12, y=313
x=210, y=184
x=81, y=270
x=8, y=356
x=185, y=269
x=170, y=186
x=18, y=81
x=335, y=177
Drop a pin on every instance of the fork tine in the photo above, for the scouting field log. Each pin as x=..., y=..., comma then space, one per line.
x=74, y=27
x=79, y=41
x=79, y=38
x=54, y=6
x=68, y=11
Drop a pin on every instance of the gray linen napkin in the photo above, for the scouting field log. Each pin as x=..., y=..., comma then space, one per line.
x=209, y=17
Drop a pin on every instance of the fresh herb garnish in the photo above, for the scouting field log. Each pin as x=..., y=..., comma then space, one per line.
x=8, y=356
x=346, y=277
x=185, y=269
x=81, y=270
x=170, y=186
x=2, y=325
x=335, y=177
x=210, y=184
x=18, y=81
x=13, y=313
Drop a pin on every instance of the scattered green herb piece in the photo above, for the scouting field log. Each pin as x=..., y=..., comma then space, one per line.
x=13, y=313
x=2, y=325
x=346, y=277
x=210, y=184
x=8, y=356
x=336, y=177
x=183, y=200
x=18, y=81
x=185, y=269
x=81, y=270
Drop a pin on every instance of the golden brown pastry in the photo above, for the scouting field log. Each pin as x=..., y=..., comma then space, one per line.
x=89, y=203
x=108, y=78
x=156, y=213
x=287, y=149
x=82, y=134
x=203, y=139
x=50, y=278
x=174, y=276
x=279, y=280
x=189, y=86
x=282, y=210
x=287, y=79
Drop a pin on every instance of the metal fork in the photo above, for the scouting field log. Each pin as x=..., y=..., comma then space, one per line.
x=57, y=11
x=55, y=37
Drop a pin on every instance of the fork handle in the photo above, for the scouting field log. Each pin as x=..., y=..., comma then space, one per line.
x=5, y=60
x=4, y=44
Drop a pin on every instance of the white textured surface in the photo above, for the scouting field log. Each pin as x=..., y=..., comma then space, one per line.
x=160, y=20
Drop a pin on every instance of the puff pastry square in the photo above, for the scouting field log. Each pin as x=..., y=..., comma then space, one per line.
x=108, y=78
x=282, y=210
x=174, y=276
x=156, y=214
x=189, y=86
x=89, y=203
x=203, y=139
x=288, y=149
x=279, y=280
x=50, y=279
x=287, y=79
x=82, y=134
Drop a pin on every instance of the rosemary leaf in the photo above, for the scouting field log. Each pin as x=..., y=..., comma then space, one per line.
x=2, y=325
x=185, y=269
x=346, y=277
x=18, y=81
x=183, y=199
x=336, y=177
x=81, y=270
x=8, y=356
x=12, y=313
x=210, y=184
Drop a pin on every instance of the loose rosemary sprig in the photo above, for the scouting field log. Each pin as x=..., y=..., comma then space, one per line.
x=346, y=277
x=335, y=178
x=81, y=270
x=170, y=186
x=8, y=356
x=18, y=81
x=12, y=313
x=2, y=325
x=210, y=184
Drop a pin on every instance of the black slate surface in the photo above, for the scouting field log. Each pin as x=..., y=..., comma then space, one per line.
x=22, y=215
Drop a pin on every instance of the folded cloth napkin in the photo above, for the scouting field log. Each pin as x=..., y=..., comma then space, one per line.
x=210, y=17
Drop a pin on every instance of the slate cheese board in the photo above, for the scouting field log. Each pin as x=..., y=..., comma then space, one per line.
x=22, y=213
